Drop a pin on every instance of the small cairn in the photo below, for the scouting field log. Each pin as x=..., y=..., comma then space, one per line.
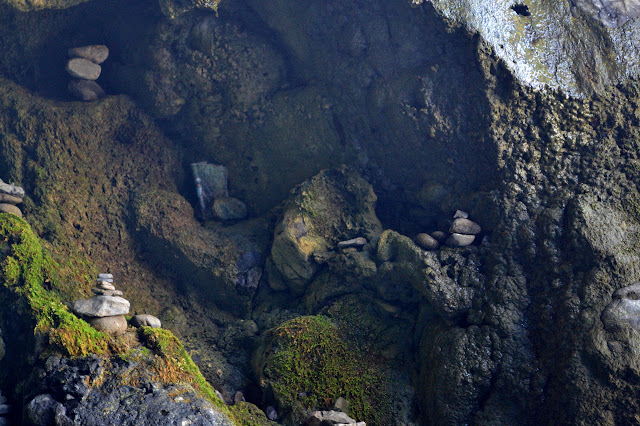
x=84, y=67
x=105, y=310
x=10, y=197
x=461, y=233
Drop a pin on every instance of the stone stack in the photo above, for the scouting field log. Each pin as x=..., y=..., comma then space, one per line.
x=106, y=310
x=461, y=234
x=84, y=67
x=10, y=197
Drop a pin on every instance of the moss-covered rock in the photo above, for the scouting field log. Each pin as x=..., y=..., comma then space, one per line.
x=334, y=206
x=307, y=364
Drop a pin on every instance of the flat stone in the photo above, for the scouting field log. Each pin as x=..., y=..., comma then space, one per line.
x=465, y=226
x=116, y=324
x=102, y=306
x=460, y=240
x=145, y=320
x=461, y=214
x=229, y=208
x=15, y=190
x=318, y=418
x=85, y=90
x=108, y=276
x=97, y=53
x=10, y=208
x=104, y=292
x=440, y=236
x=107, y=285
x=426, y=241
x=9, y=199
x=354, y=242
x=83, y=68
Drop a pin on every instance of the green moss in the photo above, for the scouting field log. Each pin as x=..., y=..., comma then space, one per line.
x=25, y=271
x=312, y=364
x=248, y=414
x=173, y=364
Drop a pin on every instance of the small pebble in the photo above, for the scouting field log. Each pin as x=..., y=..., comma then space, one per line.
x=104, y=292
x=83, y=68
x=354, y=242
x=108, y=276
x=426, y=241
x=96, y=53
x=145, y=320
x=440, y=236
x=461, y=214
x=460, y=240
x=465, y=226
x=10, y=208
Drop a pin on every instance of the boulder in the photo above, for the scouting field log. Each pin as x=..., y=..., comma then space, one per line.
x=229, y=208
x=85, y=90
x=116, y=324
x=96, y=53
x=145, y=320
x=321, y=212
x=10, y=208
x=83, y=68
x=101, y=306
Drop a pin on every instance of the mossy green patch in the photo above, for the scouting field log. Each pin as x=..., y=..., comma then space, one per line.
x=174, y=365
x=248, y=414
x=312, y=364
x=25, y=270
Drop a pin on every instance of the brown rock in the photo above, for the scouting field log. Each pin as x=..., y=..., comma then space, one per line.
x=113, y=325
x=9, y=199
x=10, y=208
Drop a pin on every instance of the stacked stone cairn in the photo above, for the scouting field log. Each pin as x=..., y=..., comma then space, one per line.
x=213, y=195
x=10, y=197
x=84, y=67
x=461, y=234
x=105, y=311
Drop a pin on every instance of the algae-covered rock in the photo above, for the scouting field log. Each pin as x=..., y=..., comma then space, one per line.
x=223, y=264
x=306, y=363
x=335, y=205
x=34, y=5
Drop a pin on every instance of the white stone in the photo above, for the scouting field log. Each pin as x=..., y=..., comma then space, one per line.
x=102, y=306
x=83, y=68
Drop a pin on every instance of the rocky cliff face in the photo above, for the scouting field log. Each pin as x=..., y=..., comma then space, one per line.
x=523, y=114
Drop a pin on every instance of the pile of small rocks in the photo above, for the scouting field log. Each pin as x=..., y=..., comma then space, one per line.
x=84, y=67
x=213, y=195
x=10, y=197
x=461, y=234
x=106, y=310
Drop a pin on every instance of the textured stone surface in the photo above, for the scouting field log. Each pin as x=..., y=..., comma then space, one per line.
x=465, y=226
x=9, y=199
x=101, y=306
x=116, y=324
x=145, y=320
x=10, y=189
x=229, y=208
x=10, y=208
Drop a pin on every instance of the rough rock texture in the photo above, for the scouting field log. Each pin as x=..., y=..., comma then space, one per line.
x=334, y=206
x=92, y=390
x=577, y=47
x=223, y=264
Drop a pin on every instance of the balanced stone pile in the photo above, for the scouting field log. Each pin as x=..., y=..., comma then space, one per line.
x=213, y=195
x=106, y=310
x=10, y=197
x=84, y=67
x=461, y=234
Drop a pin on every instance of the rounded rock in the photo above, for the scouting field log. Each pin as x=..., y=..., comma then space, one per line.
x=97, y=53
x=229, y=208
x=461, y=214
x=86, y=90
x=440, y=236
x=83, y=68
x=460, y=240
x=9, y=199
x=10, y=208
x=145, y=320
x=116, y=324
x=426, y=241
x=465, y=226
